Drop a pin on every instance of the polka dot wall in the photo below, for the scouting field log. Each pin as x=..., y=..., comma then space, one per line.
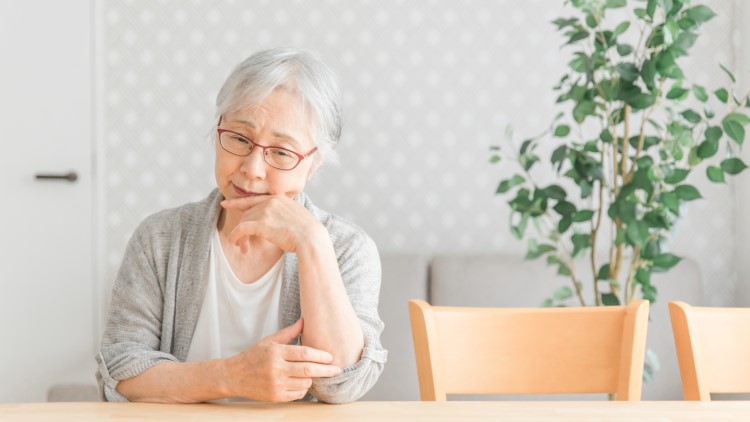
x=428, y=87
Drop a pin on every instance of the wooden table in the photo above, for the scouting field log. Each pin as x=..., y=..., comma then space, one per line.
x=383, y=411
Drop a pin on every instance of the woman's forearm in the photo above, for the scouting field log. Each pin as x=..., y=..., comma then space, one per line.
x=178, y=382
x=330, y=321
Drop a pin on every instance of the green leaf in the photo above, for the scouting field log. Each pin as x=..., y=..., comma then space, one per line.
x=734, y=130
x=506, y=185
x=651, y=8
x=671, y=30
x=677, y=93
x=627, y=71
x=562, y=23
x=684, y=41
x=562, y=131
x=686, y=23
x=637, y=233
x=624, y=49
x=691, y=116
x=676, y=176
x=722, y=94
x=642, y=101
x=707, y=149
x=564, y=224
x=713, y=133
x=563, y=293
x=652, y=249
x=672, y=202
x=581, y=242
x=535, y=251
x=700, y=93
x=700, y=13
x=687, y=192
x=621, y=28
x=494, y=159
x=579, y=63
x=583, y=109
x=578, y=35
x=558, y=155
x=733, y=166
x=664, y=262
x=715, y=174
x=603, y=273
x=610, y=299
x=564, y=208
x=562, y=268
x=738, y=117
x=666, y=5
x=583, y=215
x=555, y=192
x=520, y=228
x=613, y=4
x=648, y=73
x=730, y=74
x=708, y=112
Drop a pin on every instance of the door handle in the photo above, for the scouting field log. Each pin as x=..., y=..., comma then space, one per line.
x=70, y=177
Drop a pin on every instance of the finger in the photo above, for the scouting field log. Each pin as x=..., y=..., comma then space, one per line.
x=293, y=353
x=297, y=384
x=312, y=370
x=295, y=394
x=243, y=229
x=244, y=203
x=285, y=335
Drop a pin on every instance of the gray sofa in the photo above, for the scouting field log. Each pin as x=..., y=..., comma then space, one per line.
x=491, y=281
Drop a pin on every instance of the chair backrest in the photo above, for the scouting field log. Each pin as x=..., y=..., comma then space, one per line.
x=463, y=350
x=713, y=348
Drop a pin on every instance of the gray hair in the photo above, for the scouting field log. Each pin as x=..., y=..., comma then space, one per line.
x=297, y=71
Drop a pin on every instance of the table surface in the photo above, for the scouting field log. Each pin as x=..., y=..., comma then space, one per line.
x=384, y=411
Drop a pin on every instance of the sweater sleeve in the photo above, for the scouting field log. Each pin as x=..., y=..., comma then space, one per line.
x=132, y=336
x=361, y=273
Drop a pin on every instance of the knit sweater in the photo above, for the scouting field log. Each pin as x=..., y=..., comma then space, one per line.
x=159, y=290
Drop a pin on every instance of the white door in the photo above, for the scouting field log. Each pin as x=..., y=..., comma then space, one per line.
x=46, y=227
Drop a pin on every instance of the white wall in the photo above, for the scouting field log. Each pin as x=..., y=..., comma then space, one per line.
x=742, y=41
x=428, y=87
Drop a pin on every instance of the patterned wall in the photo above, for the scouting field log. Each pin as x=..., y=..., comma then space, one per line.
x=429, y=85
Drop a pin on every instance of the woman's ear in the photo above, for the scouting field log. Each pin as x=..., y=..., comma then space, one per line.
x=314, y=167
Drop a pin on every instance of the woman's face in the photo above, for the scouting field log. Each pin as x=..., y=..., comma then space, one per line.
x=278, y=122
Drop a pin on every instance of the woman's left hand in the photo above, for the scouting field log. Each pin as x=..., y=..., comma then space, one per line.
x=275, y=218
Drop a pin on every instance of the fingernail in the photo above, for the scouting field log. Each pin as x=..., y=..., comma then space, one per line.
x=223, y=203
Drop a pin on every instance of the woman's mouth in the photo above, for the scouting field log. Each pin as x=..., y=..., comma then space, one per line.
x=243, y=193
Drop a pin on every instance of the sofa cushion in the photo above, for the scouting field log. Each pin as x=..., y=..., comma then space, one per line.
x=404, y=278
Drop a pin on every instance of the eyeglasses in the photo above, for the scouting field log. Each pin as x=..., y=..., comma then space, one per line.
x=276, y=157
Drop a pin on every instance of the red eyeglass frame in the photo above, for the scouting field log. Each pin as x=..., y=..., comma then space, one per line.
x=262, y=147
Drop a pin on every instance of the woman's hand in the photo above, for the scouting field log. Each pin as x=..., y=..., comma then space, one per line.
x=274, y=371
x=277, y=219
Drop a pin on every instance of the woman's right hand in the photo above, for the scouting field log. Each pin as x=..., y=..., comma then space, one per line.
x=272, y=370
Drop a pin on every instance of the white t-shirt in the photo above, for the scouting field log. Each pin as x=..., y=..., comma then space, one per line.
x=234, y=315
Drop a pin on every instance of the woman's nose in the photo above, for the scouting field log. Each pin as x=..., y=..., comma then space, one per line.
x=254, y=164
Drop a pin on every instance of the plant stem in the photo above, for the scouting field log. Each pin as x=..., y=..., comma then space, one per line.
x=625, y=142
x=641, y=138
x=594, y=235
x=576, y=284
x=629, y=291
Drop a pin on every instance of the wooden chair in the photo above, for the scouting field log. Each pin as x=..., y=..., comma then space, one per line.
x=713, y=349
x=529, y=351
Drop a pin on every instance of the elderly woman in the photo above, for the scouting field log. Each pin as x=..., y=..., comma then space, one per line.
x=253, y=292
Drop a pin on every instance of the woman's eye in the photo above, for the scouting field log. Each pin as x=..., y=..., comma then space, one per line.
x=240, y=139
x=281, y=153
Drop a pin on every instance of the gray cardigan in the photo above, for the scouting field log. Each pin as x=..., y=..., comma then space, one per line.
x=157, y=297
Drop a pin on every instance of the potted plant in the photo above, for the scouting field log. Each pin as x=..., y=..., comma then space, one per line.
x=635, y=128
